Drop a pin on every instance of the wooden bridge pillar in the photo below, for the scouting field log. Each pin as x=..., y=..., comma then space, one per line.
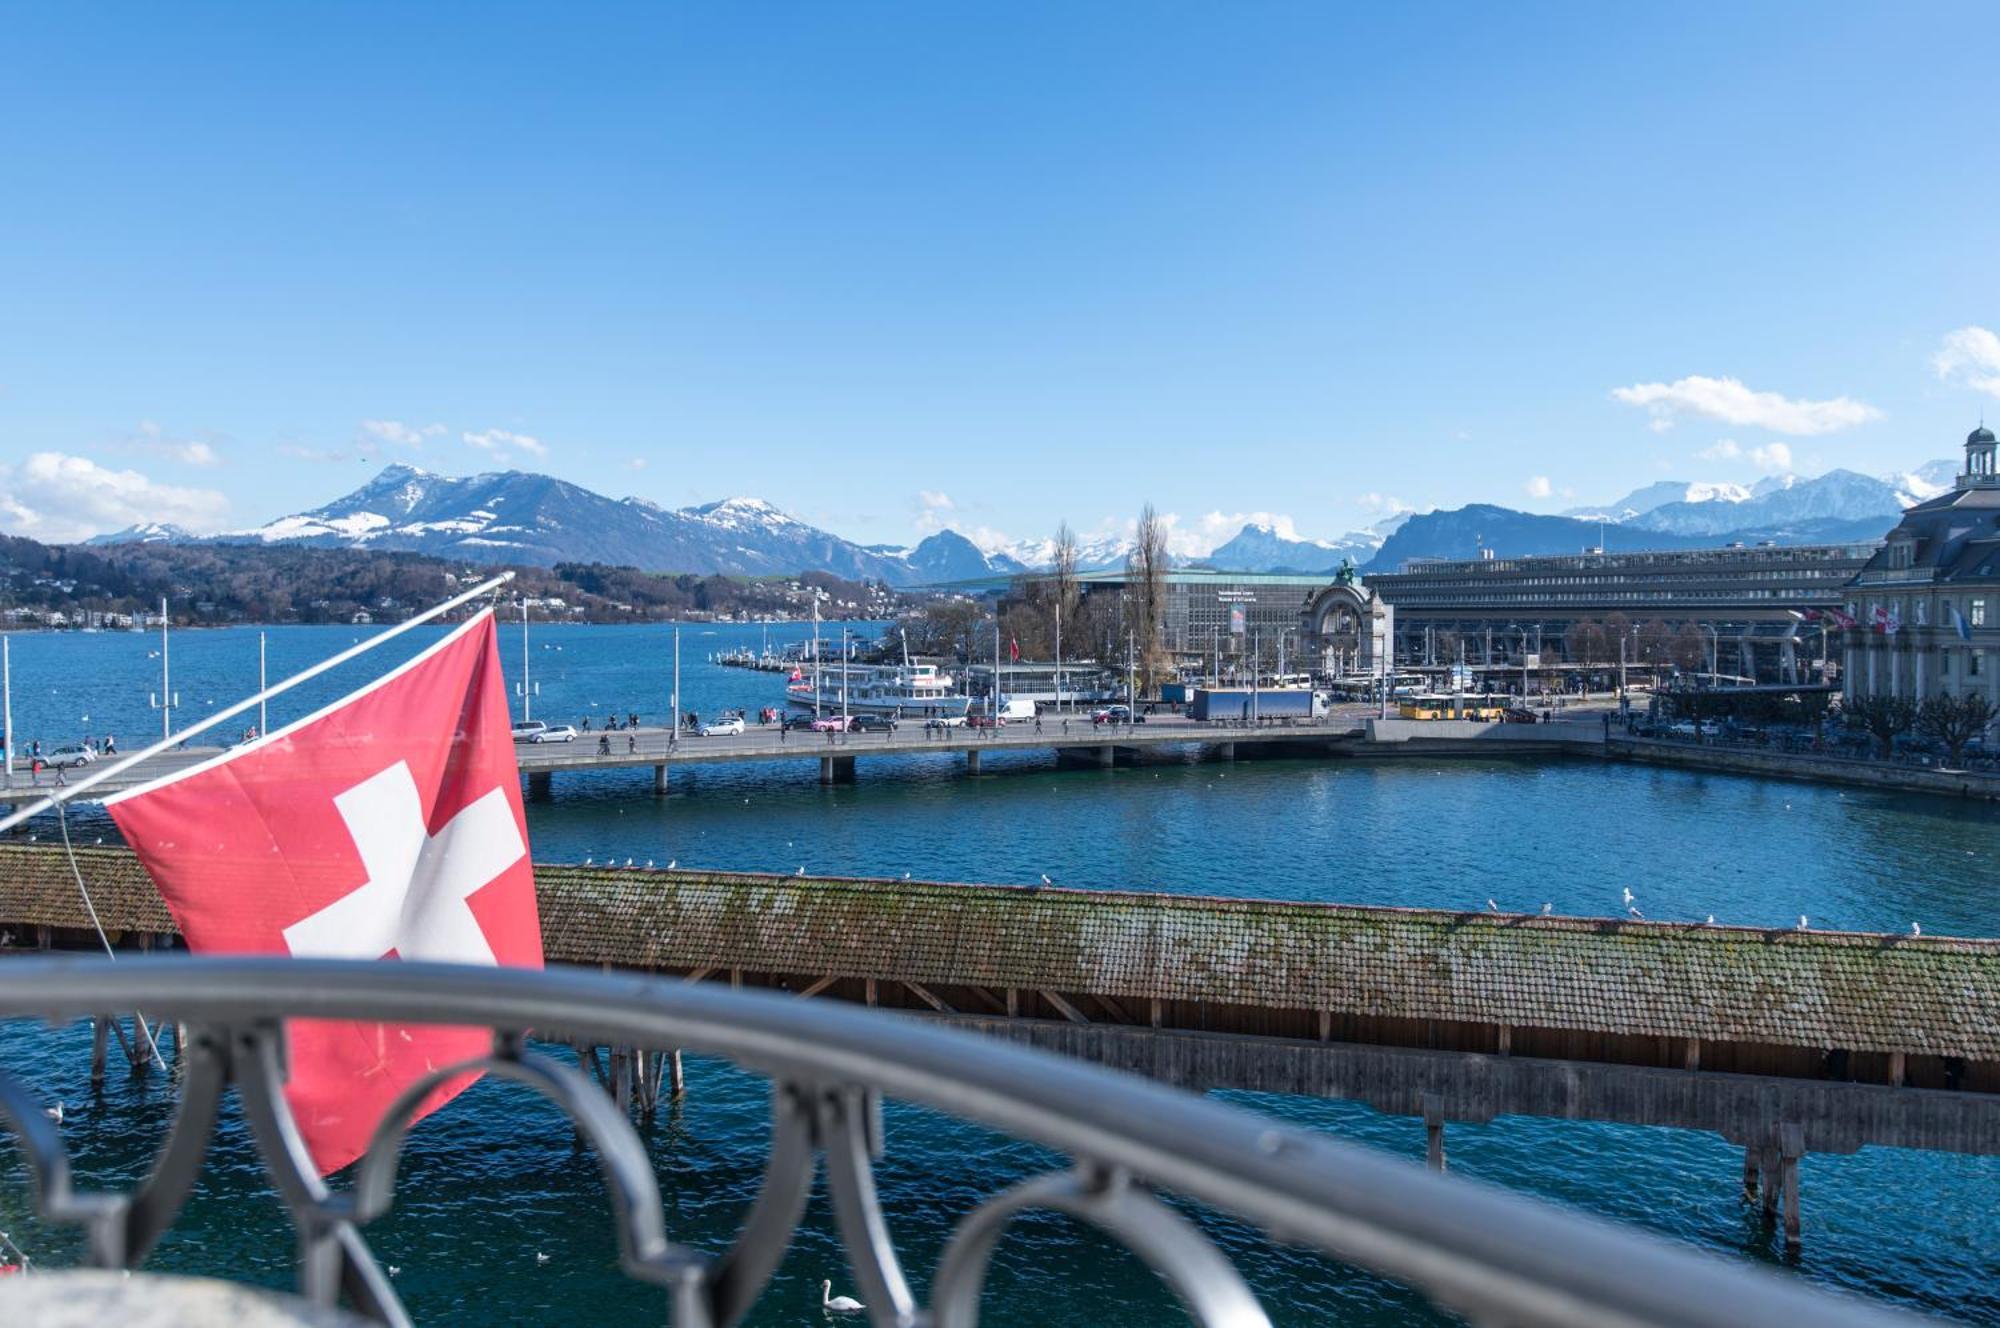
x=538, y=785
x=1434, y=1142
x=677, y=1078
x=1791, y=1148
x=836, y=770
x=972, y=763
x=659, y=781
x=100, y=1035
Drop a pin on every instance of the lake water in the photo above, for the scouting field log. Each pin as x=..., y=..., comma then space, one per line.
x=493, y=1179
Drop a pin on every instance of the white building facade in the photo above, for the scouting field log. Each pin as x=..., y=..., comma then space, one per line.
x=1927, y=606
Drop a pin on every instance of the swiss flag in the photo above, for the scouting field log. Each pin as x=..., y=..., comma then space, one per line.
x=387, y=825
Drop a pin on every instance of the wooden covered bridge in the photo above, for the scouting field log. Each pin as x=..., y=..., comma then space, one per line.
x=1783, y=1042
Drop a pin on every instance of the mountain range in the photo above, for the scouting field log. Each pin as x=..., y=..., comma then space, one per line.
x=525, y=518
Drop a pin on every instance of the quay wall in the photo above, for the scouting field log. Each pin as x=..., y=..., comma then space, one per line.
x=1811, y=769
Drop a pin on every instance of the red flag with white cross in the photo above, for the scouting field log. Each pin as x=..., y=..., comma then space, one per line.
x=388, y=825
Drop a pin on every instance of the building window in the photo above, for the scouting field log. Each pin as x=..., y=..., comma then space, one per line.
x=1978, y=614
x=1972, y=663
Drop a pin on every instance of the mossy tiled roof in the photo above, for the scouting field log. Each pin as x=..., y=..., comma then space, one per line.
x=1857, y=991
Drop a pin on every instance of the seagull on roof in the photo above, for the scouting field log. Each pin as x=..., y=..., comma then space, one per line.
x=1548, y=909
x=1492, y=907
x=1046, y=880
x=1633, y=911
x=1628, y=896
x=1710, y=922
x=673, y=863
x=801, y=871
x=628, y=862
x=1915, y=930
x=1802, y=923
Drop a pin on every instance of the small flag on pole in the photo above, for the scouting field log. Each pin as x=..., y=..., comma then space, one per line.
x=1960, y=624
x=388, y=825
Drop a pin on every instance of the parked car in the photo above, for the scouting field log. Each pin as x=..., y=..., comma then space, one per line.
x=526, y=730
x=1116, y=714
x=872, y=724
x=559, y=733
x=830, y=724
x=73, y=755
x=801, y=721
x=731, y=727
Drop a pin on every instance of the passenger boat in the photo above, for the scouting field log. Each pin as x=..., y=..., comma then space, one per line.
x=900, y=691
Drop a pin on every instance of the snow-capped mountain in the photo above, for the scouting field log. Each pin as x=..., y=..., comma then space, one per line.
x=946, y=557
x=1258, y=547
x=150, y=532
x=1782, y=504
x=1643, y=500
x=517, y=517
x=1095, y=554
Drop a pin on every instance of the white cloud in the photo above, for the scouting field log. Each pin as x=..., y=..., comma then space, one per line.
x=61, y=498
x=497, y=441
x=1725, y=449
x=398, y=434
x=932, y=510
x=1774, y=457
x=1970, y=357
x=1381, y=504
x=1728, y=400
x=635, y=463
x=1538, y=486
x=152, y=440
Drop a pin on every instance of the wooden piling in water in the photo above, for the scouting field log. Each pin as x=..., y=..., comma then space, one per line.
x=100, y=1038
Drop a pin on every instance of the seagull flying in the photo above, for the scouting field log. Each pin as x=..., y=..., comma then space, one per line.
x=1628, y=896
x=541, y=1258
x=54, y=1113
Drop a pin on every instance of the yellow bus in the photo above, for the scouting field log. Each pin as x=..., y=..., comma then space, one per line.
x=1445, y=705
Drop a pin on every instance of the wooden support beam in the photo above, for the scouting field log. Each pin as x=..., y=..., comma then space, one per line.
x=992, y=1002
x=1504, y=1041
x=1434, y=1141
x=1896, y=1069
x=1691, y=1056
x=1791, y=1148
x=679, y=1081
x=1326, y=1025
x=1118, y=1014
x=819, y=986
x=868, y=991
x=1013, y=1002
x=698, y=974
x=1069, y=1012
x=735, y=977
x=1750, y=1175
x=1155, y=1011
x=100, y=1038
x=924, y=994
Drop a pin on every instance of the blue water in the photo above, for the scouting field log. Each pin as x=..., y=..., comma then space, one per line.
x=494, y=1179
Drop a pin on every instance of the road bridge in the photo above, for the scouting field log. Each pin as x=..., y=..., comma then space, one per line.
x=1783, y=1042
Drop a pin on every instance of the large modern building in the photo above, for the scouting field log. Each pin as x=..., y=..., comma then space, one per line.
x=1927, y=604
x=1746, y=602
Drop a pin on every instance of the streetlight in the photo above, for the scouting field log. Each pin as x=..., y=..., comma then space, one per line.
x=166, y=700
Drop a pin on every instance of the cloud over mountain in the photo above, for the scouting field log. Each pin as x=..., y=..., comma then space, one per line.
x=1729, y=400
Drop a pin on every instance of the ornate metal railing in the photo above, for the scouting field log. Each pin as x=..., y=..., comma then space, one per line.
x=1494, y=1257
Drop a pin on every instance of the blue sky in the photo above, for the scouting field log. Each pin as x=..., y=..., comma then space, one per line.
x=1033, y=262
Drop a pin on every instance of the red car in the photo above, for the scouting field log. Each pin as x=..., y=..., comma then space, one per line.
x=831, y=724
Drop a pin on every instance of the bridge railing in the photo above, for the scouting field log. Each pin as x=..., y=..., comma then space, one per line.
x=1129, y=1144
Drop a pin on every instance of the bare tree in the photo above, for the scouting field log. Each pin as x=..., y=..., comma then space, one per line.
x=1062, y=572
x=1146, y=588
x=1886, y=718
x=1955, y=720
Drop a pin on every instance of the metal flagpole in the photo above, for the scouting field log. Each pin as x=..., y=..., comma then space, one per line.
x=68, y=793
x=7, y=702
x=166, y=678
x=527, y=692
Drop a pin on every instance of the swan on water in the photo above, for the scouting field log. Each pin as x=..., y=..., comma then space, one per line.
x=838, y=1304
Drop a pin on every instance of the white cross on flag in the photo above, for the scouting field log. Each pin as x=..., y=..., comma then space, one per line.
x=388, y=825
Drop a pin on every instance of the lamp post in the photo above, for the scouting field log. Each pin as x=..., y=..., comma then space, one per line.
x=1714, y=654
x=674, y=729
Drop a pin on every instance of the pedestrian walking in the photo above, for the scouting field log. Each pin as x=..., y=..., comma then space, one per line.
x=604, y=744
x=631, y=742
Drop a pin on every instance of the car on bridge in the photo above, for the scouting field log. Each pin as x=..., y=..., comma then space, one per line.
x=730, y=726
x=526, y=730
x=559, y=733
x=73, y=755
x=986, y=721
x=831, y=724
x=871, y=724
